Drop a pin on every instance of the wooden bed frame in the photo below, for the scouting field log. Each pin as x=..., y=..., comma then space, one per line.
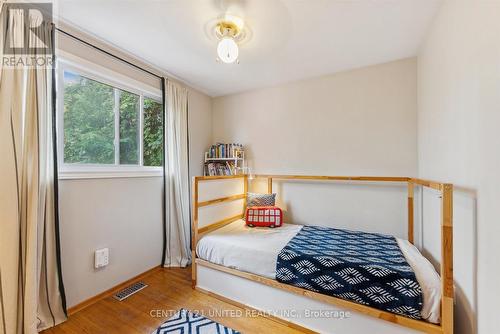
x=446, y=270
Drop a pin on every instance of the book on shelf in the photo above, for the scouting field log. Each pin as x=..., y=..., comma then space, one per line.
x=220, y=168
x=228, y=151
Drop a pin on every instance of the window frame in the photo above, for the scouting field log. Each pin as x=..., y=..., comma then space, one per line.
x=118, y=82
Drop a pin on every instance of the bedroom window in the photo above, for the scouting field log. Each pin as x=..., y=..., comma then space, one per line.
x=107, y=128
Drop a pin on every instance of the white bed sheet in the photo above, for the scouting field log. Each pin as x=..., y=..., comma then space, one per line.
x=255, y=250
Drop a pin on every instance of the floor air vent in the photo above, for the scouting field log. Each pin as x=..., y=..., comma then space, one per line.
x=129, y=291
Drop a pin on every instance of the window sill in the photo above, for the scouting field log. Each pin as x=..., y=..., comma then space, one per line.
x=110, y=173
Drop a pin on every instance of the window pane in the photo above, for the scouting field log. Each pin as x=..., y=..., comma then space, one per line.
x=129, y=128
x=89, y=130
x=153, y=135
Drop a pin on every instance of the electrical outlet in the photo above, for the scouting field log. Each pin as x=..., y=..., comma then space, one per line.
x=101, y=258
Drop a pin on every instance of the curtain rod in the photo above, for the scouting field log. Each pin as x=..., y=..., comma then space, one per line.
x=108, y=53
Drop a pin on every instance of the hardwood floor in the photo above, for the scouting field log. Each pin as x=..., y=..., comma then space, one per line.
x=168, y=290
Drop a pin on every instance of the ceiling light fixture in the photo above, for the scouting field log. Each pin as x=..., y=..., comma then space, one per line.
x=229, y=31
x=227, y=50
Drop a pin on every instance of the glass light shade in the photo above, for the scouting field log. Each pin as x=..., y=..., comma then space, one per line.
x=227, y=50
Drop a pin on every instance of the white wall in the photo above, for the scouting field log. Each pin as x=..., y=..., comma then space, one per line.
x=123, y=214
x=458, y=118
x=355, y=122
x=360, y=122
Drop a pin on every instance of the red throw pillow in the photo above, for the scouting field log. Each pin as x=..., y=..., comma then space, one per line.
x=264, y=216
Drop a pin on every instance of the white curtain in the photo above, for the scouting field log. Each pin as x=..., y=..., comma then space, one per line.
x=177, y=205
x=31, y=291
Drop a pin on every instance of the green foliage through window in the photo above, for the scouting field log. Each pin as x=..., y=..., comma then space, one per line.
x=89, y=124
x=129, y=128
x=89, y=118
x=153, y=136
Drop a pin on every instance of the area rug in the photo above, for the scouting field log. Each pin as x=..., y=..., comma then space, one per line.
x=185, y=322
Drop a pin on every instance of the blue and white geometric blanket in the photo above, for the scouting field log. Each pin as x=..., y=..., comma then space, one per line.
x=185, y=322
x=367, y=268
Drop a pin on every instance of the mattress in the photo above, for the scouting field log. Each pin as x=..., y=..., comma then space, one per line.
x=255, y=250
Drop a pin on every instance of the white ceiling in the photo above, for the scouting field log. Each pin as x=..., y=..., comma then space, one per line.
x=291, y=39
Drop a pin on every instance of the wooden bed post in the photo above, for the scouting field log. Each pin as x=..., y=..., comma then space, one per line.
x=269, y=185
x=194, y=232
x=245, y=191
x=447, y=291
x=410, y=211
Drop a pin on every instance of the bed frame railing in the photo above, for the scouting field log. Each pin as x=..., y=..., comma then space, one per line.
x=446, y=269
